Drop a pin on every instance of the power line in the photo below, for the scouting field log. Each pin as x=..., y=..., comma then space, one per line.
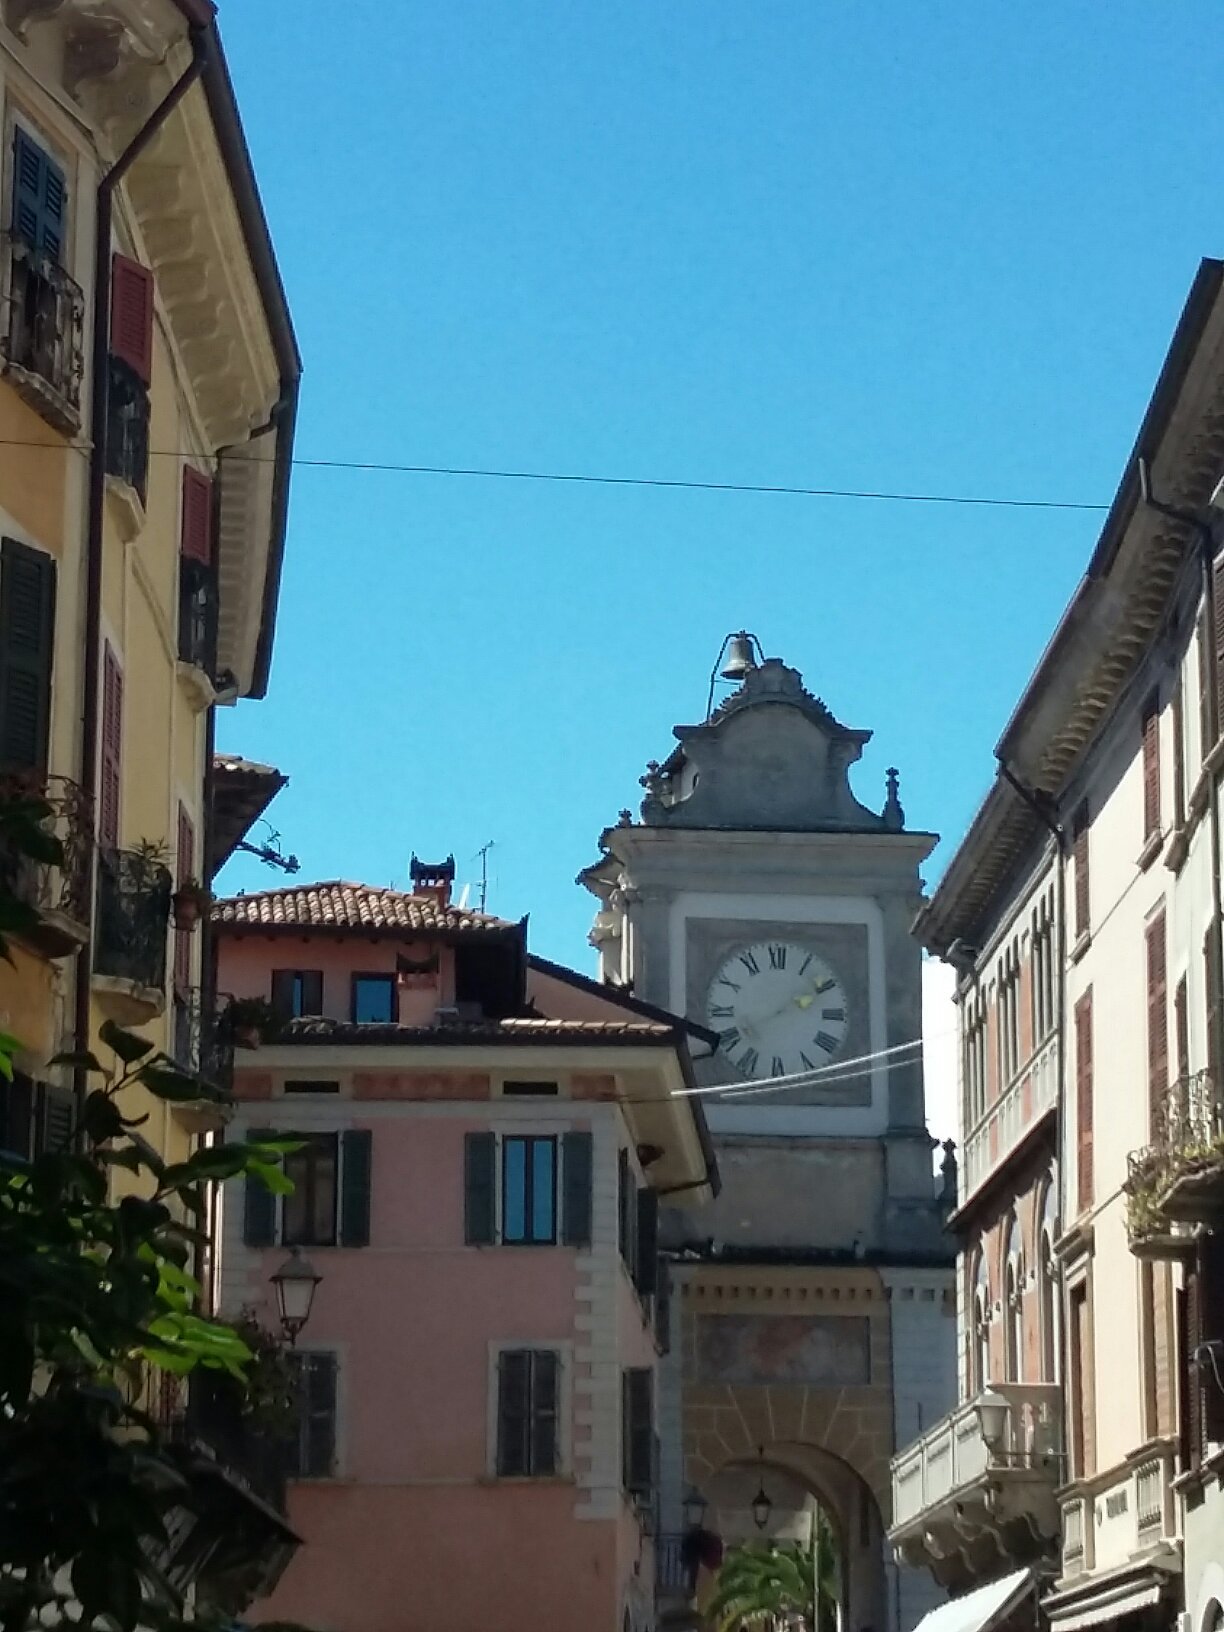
x=392, y=467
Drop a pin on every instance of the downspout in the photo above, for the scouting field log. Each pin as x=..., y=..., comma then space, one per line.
x=1046, y=811
x=99, y=358
x=1207, y=550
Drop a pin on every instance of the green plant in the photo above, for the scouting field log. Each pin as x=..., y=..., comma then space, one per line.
x=249, y=1014
x=764, y=1585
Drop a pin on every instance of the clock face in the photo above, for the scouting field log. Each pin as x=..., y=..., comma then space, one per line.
x=778, y=1009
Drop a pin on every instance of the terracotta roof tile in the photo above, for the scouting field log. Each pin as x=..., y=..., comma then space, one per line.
x=529, y=1029
x=336, y=904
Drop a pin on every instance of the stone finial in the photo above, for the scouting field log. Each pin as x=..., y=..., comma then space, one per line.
x=947, y=1172
x=625, y=818
x=893, y=815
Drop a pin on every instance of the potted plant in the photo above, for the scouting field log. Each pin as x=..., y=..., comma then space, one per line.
x=190, y=902
x=249, y=1020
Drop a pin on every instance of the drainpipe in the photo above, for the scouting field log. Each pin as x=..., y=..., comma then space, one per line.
x=1046, y=811
x=99, y=357
x=1207, y=550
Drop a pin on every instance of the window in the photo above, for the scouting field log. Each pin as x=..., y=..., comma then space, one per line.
x=1083, y=1393
x=27, y=636
x=310, y=1085
x=297, y=992
x=981, y=1325
x=1051, y=1318
x=975, y=1062
x=309, y=1216
x=1079, y=855
x=46, y=308
x=528, y=1412
x=197, y=576
x=1008, y=1014
x=511, y=1194
x=130, y=370
x=330, y=1203
x=1043, y=970
x=626, y=1210
x=312, y=1445
x=529, y=1191
x=34, y=1117
x=1151, y=767
x=374, y=999
x=637, y=1430
x=526, y=1089
x=1157, y=1023
x=1083, y=1102
x=1014, y=1298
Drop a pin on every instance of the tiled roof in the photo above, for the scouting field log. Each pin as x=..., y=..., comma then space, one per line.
x=516, y=1031
x=335, y=904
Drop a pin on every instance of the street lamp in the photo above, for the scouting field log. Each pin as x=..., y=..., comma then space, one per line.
x=992, y=1414
x=695, y=1506
x=762, y=1507
x=295, y=1283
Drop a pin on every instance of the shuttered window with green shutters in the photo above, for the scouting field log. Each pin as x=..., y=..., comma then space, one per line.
x=312, y=1449
x=40, y=197
x=637, y=1430
x=330, y=1204
x=646, y=1268
x=577, y=1156
x=528, y=1413
x=480, y=1189
x=27, y=636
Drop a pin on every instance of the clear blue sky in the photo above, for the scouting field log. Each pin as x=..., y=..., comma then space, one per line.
x=935, y=247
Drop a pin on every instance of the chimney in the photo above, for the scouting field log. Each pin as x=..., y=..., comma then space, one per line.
x=433, y=880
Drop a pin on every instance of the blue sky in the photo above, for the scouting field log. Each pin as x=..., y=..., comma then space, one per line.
x=933, y=247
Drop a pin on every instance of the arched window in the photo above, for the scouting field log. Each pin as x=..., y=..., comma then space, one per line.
x=980, y=1319
x=1013, y=1294
x=1047, y=1280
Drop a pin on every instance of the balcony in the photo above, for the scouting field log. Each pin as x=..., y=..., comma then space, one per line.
x=133, y=916
x=42, y=343
x=127, y=437
x=200, y=1044
x=56, y=891
x=1177, y=1181
x=1031, y=1093
x=1119, y=1523
x=198, y=615
x=961, y=1500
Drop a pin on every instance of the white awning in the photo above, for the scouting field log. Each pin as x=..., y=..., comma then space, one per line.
x=1108, y=1606
x=980, y=1609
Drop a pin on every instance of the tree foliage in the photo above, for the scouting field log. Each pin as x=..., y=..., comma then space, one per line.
x=766, y=1585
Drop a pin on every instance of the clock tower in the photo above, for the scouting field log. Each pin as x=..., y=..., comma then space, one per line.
x=815, y=1325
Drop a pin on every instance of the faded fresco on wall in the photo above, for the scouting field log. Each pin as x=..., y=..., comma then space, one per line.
x=818, y=1350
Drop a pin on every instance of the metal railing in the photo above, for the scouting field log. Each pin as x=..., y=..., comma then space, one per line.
x=214, y=1418
x=675, y=1566
x=198, y=612
x=133, y=917
x=43, y=336
x=1032, y=1090
x=127, y=426
x=198, y=1042
x=64, y=811
x=1187, y=1128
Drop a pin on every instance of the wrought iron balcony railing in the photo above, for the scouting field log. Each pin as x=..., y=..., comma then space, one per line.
x=127, y=427
x=199, y=1042
x=57, y=891
x=198, y=608
x=133, y=917
x=42, y=338
x=1170, y=1178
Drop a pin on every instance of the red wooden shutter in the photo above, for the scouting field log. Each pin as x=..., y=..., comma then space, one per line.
x=1079, y=851
x=1151, y=767
x=131, y=330
x=1211, y=1301
x=1179, y=755
x=1083, y=1099
x=184, y=864
x=1158, y=1021
x=1211, y=974
x=112, y=751
x=197, y=516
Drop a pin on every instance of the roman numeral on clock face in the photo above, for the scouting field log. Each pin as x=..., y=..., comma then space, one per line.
x=747, y=1062
x=823, y=1040
x=777, y=1067
x=720, y=1011
x=777, y=957
x=750, y=963
x=729, y=1038
x=832, y=1014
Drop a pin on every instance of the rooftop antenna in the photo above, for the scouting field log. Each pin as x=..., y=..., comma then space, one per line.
x=483, y=853
x=270, y=852
x=744, y=654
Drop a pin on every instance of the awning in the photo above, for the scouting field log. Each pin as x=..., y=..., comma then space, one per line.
x=1108, y=1605
x=980, y=1609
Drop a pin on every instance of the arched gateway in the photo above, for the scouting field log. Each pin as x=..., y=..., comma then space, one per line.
x=813, y=1322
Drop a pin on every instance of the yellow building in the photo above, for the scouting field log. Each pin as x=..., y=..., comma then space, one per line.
x=148, y=382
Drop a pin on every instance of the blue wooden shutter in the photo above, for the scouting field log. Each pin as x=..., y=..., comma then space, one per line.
x=480, y=1189
x=40, y=196
x=356, y=1152
x=27, y=638
x=259, y=1204
x=576, y=1158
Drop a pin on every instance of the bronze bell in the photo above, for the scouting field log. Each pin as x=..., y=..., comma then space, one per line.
x=740, y=657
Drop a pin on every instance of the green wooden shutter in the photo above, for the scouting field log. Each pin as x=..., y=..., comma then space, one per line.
x=57, y=1119
x=638, y=1430
x=480, y=1189
x=624, y=1208
x=577, y=1155
x=27, y=636
x=282, y=993
x=513, y=1412
x=312, y=991
x=259, y=1204
x=545, y=1400
x=646, y=1268
x=1211, y=1295
x=17, y=1116
x=662, y=1308
x=356, y=1152
x=320, y=1433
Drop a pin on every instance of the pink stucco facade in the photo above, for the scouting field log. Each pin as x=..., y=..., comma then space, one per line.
x=412, y=1527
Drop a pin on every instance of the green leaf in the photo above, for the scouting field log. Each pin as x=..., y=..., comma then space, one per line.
x=126, y=1044
x=214, y=1162
x=82, y=1060
x=274, y=1178
x=169, y=1083
x=101, y=1118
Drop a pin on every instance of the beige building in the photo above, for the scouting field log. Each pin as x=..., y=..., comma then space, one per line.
x=1082, y=913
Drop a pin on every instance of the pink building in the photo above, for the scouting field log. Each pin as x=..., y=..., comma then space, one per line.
x=486, y=1139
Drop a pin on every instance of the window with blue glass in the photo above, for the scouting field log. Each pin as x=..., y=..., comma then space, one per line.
x=374, y=1000
x=529, y=1191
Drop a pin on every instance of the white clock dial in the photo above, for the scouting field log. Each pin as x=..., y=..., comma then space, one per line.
x=778, y=1009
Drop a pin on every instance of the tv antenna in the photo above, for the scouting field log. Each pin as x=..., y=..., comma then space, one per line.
x=483, y=853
